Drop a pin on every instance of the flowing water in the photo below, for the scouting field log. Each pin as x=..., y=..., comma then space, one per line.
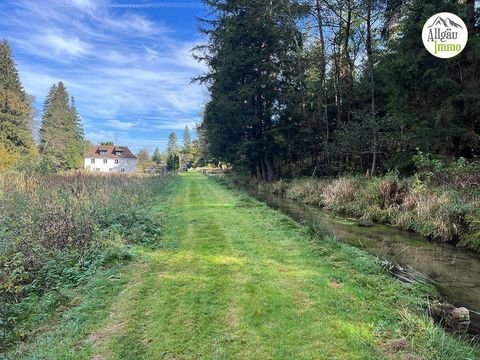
x=455, y=273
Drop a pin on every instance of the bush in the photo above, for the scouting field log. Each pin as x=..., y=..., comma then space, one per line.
x=457, y=174
x=341, y=191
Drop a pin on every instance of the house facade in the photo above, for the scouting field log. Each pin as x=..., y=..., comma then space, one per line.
x=110, y=158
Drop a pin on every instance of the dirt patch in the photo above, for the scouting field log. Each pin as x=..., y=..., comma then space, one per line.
x=397, y=345
x=411, y=357
x=99, y=337
x=335, y=284
x=397, y=349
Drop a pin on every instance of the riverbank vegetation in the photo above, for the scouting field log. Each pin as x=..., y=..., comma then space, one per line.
x=441, y=202
x=56, y=231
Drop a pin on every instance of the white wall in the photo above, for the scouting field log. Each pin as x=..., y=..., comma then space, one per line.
x=129, y=165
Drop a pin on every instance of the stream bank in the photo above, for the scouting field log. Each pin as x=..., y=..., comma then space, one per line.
x=453, y=271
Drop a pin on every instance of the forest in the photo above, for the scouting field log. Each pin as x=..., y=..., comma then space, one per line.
x=323, y=87
x=338, y=104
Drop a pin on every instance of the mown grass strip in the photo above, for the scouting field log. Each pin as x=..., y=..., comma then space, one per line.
x=247, y=283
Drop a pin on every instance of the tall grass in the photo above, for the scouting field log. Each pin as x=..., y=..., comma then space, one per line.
x=437, y=211
x=56, y=230
x=432, y=342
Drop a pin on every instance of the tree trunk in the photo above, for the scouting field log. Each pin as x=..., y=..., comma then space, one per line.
x=270, y=168
x=371, y=67
x=321, y=98
x=349, y=66
x=262, y=167
x=259, y=171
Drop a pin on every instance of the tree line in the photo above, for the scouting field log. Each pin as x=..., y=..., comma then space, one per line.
x=176, y=157
x=61, y=138
x=323, y=87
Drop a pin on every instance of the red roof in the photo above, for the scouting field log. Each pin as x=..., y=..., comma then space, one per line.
x=110, y=152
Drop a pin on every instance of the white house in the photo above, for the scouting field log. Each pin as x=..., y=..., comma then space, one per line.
x=109, y=158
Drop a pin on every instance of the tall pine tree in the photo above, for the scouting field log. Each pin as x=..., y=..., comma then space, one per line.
x=251, y=47
x=61, y=133
x=157, y=156
x=187, y=139
x=15, y=110
x=172, y=146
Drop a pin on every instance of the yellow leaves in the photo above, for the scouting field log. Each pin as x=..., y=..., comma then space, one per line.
x=8, y=158
x=12, y=102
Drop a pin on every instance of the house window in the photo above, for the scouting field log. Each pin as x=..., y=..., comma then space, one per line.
x=116, y=161
x=110, y=169
x=105, y=161
x=97, y=169
x=122, y=170
x=92, y=161
x=103, y=152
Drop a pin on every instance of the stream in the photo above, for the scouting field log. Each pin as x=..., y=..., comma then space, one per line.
x=454, y=272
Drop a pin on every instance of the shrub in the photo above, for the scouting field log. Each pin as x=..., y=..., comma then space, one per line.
x=310, y=191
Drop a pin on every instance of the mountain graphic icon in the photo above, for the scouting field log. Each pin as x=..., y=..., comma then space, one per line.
x=447, y=22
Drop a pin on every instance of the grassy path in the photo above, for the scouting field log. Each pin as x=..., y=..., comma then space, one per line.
x=243, y=282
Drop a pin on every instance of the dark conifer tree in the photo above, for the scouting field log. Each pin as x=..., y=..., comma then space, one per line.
x=61, y=133
x=251, y=45
x=15, y=110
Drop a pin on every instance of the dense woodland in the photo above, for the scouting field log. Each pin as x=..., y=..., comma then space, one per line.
x=327, y=87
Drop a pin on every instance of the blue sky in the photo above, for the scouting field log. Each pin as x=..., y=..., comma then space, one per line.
x=126, y=62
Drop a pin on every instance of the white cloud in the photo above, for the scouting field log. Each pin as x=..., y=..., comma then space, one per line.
x=129, y=74
x=122, y=125
x=60, y=44
x=85, y=4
